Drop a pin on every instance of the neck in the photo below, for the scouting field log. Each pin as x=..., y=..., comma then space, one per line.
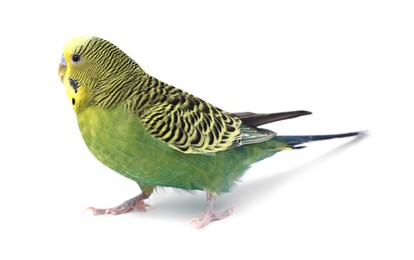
x=118, y=86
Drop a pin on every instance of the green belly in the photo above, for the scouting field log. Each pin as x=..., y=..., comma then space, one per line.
x=117, y=139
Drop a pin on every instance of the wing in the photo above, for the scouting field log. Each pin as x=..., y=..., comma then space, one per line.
x=255, y=120
x=191, y=125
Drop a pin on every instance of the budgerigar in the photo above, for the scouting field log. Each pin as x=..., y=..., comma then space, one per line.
x=160, y=136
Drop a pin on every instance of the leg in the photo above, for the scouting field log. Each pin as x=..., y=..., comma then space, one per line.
x=209, y=214
x=136, y=203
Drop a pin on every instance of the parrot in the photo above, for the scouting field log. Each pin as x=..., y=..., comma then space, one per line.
x=158, y=135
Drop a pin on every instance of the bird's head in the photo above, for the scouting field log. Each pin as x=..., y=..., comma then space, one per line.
x=91, y=68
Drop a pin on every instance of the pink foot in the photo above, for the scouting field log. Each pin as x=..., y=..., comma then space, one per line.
x=209, y=214
x=210, y=217
x=136, y=203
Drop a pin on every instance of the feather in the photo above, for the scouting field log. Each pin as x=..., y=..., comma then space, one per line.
x=160, y=136
x=255, y=120
x=294, y=140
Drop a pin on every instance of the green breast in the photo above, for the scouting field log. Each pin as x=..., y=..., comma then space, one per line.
x=117, y=138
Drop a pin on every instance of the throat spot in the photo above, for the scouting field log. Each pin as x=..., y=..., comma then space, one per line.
x=74, y=84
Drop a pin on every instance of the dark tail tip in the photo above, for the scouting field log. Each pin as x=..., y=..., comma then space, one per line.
x=300, y=139
x=326, y=137
x=347, y=134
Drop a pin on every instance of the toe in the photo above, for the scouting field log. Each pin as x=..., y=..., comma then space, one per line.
x=140, y=206
x=94, y=211
x=199, y=223
x=222, y=215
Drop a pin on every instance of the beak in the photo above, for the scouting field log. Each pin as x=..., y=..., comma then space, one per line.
x=62, y=68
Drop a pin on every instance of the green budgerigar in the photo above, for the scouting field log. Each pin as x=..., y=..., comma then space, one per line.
x=160, y=136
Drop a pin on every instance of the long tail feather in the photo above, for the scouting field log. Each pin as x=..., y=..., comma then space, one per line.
x=254, y=119
x=295, y=140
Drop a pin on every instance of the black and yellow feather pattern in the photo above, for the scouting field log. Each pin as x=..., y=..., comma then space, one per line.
x=183, y=121
x=188, y=123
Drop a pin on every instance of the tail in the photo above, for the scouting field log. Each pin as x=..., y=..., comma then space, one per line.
x=295, y=140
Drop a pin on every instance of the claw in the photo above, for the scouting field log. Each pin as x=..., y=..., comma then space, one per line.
x=136, y=203
x=209, y=214
x=94, y=211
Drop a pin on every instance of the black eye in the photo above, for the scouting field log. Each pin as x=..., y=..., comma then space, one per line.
x=76, y=58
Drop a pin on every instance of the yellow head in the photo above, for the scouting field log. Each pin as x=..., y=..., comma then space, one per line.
x=91, y=68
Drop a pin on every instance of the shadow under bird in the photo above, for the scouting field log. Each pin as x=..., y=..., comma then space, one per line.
x=160, y=136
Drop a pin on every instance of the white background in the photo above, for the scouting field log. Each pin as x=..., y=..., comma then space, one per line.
x=350, y=63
